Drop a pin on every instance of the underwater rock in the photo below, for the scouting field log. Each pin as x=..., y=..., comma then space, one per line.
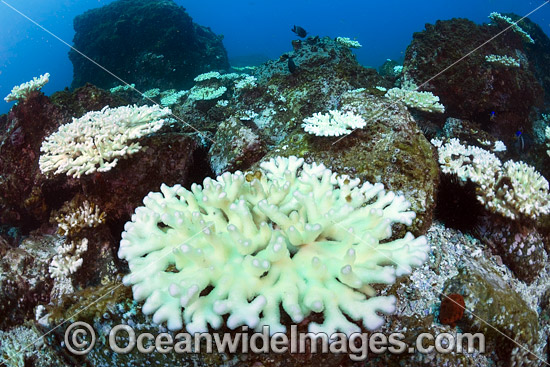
x=326, y=70
x=148, y=43
x=22, y=186
x=538, y=53
x=24, y=280
x=390, y=149
x=165, y=158
x=236, y=147
x=106, y=306
x=520, y=245
x=473, y=88
x=84, y=99
x=495, y=309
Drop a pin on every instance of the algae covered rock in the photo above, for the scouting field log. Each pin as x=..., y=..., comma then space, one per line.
x=150, y=43
x=499, y=312
x=390, y=149
x=500, y=98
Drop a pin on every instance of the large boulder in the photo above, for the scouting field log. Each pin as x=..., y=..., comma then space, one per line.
x=149, y=43
x=442, y=59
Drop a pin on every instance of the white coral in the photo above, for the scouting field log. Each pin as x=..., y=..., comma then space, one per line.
x=68, y=259
x=22, y=91
x=206, y=93
x=333, y=123
x=506, y=61
x=348, y=42
x=98, y=139
x=513, y=190
x=86, y=215
x=424, y=101
x=291, y=235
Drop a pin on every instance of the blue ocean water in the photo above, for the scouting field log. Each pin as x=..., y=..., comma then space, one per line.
x=253, y=30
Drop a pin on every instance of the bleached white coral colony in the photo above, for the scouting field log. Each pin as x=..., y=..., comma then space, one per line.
x=22, y=91
x=348, y=42
x=506, y=61
x=514, y=190
x=333, y=123
x=292, y=234
x=499, y=18
x=424, y=101
x=95, y=141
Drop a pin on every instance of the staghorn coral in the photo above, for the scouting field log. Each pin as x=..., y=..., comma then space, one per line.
x=292, y=235
x=95, y=141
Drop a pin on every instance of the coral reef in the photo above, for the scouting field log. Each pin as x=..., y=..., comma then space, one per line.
x=285, y=229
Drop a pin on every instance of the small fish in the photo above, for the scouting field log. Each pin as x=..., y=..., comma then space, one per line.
x=492, y=115
x=300, y=32
x=519, y=140
x=291, y=65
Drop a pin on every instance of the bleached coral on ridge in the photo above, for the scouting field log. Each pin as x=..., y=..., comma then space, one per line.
x=22, y=91
x=513, y=190
x=424, y=101
x=207, y=76
x=95, y=141
x=497, y=17
x=348, y=42
x=333, y=123
x=506, y=61
x=206, y=93
x=291, y=235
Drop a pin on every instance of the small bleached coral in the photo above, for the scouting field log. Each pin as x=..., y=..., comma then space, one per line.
x=507, y=21
x=95, y=141
x=519, y=190
x=151, y=93
x=248, y=82
x=207, y=76
x=333, y=123
x=346, y=41
x=499, y=146
x=122, y=88
x=424, y=101
x=171, y=97
x=85, y=216
x=290, y=236
x=22, y=91
x=514, y=190
x=206, y=93
x=506, y=61
x=68, y=258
